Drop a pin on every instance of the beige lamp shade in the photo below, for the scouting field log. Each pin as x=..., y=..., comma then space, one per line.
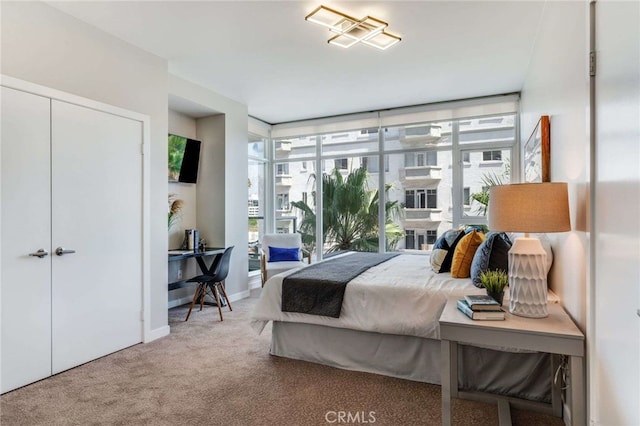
x=529, y=207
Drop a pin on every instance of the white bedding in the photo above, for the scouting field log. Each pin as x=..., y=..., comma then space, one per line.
x=400, y=296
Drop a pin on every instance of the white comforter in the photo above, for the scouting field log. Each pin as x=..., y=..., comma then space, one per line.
x=400, y=296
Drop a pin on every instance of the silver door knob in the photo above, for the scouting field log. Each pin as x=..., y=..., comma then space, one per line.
x=60, y=251
x=40, y=253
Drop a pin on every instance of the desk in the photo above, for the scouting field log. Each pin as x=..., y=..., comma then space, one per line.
x=555, y=334
x=175, y=255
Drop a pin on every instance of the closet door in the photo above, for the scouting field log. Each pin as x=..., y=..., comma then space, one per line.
x=97, y=213
x=26, y=228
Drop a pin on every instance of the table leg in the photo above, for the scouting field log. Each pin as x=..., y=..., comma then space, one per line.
x=556, y=387
x=576, y=365
x=449, y=377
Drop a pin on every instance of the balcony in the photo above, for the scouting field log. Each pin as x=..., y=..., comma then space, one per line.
x=419, y=176
x=413, y=136
x=283, y=148
x=284, y=180
x=421, y=218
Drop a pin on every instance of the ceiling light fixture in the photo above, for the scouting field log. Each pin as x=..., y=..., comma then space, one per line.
x=349, y=30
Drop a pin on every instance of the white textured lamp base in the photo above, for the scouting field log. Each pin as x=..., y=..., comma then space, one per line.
x=528, y=278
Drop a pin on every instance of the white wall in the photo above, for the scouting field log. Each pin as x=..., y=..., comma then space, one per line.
x=598, y=286
x=615, y=362
x=222, y=183
x=182, y=125
x=557, y=84
x=45, y=46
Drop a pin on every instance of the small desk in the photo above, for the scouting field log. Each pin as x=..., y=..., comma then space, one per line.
x=175, y=255
x=556, y=334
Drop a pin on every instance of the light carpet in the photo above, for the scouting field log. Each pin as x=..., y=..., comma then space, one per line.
x=208, y=372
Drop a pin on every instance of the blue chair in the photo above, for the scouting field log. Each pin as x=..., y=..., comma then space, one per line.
x=214, y=282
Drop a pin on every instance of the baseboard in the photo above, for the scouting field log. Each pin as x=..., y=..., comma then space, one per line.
x=187, y=299
x=239, y=296
x=255, y=282
x=157, y=333
x=179, y=302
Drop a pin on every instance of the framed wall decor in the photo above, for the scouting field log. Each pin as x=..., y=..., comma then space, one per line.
x=537, y=153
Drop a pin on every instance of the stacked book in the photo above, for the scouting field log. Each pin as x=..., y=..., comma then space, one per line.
x=481, y=308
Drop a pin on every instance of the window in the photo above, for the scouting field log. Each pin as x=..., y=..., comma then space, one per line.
x=479, y=176
x=492, y=155
x=282, y=202
x=432, y=192
x=257, y=167
x=410, y=239
x=421, y=159
x=432, y=198
x=432, y=158
x=371, y=164
x=419, y=239
x=282, y=169
x=412, y=198
x=341, y=163
x=421, y=198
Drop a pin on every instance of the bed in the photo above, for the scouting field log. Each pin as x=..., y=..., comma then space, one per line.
x=389, y=325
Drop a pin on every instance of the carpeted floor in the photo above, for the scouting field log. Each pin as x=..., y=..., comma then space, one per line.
x=209, y=372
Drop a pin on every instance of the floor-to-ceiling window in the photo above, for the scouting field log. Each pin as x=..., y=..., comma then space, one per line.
x=257, y=185
x=392, y=187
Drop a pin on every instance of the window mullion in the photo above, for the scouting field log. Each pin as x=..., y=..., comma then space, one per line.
x=456, y=175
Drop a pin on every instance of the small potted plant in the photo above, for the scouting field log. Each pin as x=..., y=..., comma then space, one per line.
x=494, y=282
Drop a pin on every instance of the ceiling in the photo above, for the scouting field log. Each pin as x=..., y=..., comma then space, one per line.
x=265, y=55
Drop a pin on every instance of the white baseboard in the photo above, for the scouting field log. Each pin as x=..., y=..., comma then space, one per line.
x=179, y=302
x=255, y=282
x=187, y=299
x=156, y=334
x=239, y=296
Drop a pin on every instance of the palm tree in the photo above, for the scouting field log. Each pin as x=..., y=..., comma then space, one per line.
x=349, y=214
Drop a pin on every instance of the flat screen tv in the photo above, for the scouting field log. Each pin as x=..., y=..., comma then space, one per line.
x=184, y=158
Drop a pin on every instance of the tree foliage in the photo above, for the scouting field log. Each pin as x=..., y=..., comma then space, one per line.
x=349, y=214
x=488, y=180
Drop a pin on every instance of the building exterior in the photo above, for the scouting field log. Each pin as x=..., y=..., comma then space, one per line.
x=417, y=164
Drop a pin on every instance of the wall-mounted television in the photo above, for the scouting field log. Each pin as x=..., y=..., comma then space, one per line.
x=184, y=158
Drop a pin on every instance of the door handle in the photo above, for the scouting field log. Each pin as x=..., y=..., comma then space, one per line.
x=60, y=251
x=40, y=253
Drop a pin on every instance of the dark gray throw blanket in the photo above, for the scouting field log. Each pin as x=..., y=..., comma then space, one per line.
x=319, y=289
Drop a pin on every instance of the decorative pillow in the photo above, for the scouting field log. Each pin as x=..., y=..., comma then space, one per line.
x=492, y=255
x=464, y=252
x=282, y=254
x=443, y=249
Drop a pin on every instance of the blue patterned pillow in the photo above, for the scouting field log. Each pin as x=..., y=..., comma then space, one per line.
x=282, y=254
x=442, y=253
x=492, y=255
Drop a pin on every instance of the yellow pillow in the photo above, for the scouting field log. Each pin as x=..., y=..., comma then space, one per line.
x=463, y=256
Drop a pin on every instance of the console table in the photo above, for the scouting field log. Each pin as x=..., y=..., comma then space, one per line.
x=555, y=334
x=175, y=255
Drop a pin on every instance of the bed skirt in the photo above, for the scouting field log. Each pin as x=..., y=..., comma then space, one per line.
x=520, y=375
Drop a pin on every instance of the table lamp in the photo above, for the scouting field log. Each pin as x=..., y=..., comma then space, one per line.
x=529, y=207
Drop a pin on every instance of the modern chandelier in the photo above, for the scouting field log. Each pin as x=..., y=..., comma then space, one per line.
x=349, y=30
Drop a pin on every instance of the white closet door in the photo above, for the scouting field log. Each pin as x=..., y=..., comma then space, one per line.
x=97, y=212
x=26, y=228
